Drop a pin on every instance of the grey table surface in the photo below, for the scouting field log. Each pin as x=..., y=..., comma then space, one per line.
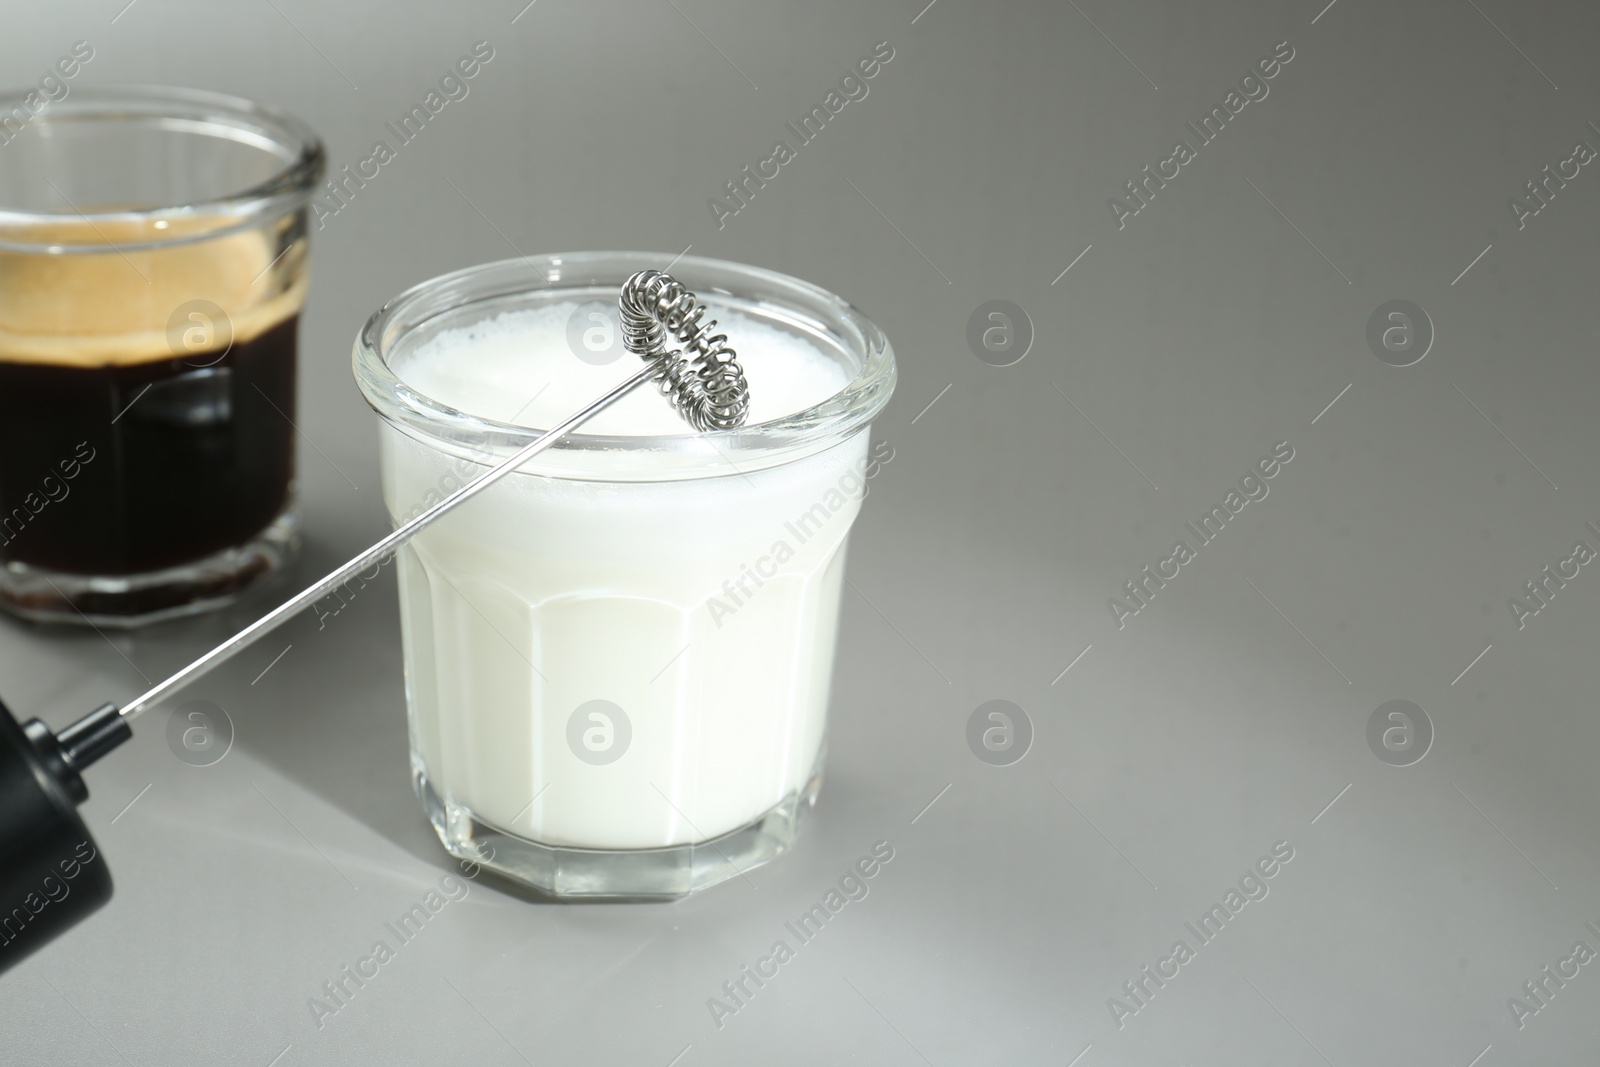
x=1172, y=348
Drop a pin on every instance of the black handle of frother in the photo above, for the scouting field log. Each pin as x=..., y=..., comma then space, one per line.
x=52, y=875
x=92, y=736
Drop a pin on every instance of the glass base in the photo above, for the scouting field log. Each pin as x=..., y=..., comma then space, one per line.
x=647, y=874
x=130, y=600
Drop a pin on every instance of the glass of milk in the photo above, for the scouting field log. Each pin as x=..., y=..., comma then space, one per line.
x=618, y=659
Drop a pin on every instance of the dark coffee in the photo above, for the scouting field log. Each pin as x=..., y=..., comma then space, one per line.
x=146, y=450
x=154, y=251
x=138, y=466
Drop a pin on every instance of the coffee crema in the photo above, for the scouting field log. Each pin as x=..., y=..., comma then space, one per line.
x=162, y=377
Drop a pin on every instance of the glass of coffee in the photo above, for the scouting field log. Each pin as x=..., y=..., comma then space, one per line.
x=153, y=263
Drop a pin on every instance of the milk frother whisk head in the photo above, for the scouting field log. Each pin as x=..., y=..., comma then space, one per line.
x=707, y=388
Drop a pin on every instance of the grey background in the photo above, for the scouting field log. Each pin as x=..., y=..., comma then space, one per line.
x=1170, y=756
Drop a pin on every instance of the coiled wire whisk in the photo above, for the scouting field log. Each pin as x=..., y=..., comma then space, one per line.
x=703, y=381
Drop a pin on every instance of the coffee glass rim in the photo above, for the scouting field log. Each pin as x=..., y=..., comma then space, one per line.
x=199, y=111
x=579, y=456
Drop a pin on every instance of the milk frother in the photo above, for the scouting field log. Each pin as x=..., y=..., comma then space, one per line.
x=51, y=873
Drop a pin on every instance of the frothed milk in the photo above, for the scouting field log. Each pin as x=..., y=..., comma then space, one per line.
x=607, y=662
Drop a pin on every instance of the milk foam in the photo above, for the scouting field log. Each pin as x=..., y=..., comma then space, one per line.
x=519, y=368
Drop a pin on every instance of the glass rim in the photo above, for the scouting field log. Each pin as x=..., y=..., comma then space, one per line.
x=689, y=454
x=200, y=111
